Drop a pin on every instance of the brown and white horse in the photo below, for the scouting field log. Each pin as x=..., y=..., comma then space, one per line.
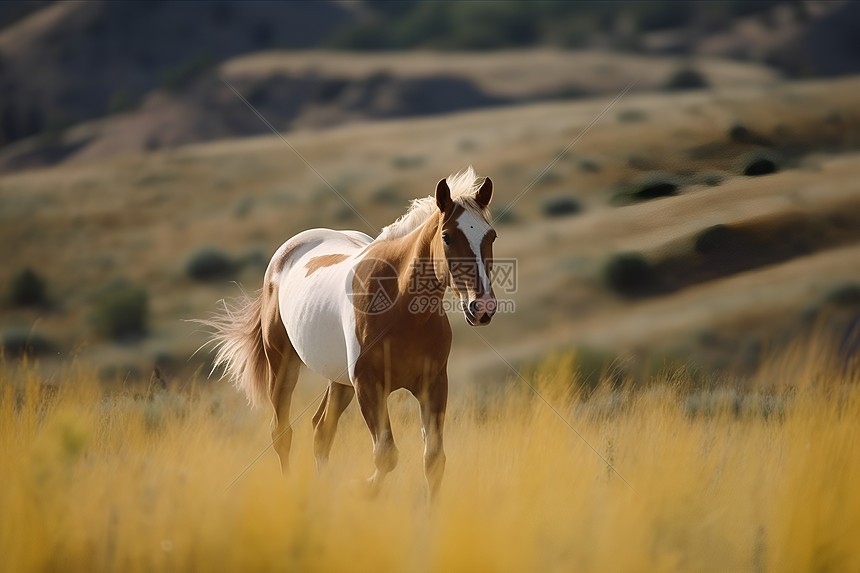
x=368, y=315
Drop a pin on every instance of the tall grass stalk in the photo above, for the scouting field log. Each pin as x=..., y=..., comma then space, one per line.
x=759, y=479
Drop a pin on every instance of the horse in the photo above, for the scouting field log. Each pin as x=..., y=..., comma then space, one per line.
x=368, y=315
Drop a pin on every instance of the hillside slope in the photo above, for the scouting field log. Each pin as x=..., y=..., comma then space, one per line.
x=316, y=89
x=74, y=61
x=141, y=218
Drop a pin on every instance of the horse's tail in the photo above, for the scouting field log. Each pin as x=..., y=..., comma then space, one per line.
x=238, y=339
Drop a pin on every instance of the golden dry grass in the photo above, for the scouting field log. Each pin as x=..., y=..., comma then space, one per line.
x=763, y=479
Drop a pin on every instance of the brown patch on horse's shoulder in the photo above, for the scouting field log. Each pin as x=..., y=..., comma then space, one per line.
x=321, y=261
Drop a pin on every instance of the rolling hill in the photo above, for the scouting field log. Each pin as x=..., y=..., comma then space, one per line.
x=91, y=226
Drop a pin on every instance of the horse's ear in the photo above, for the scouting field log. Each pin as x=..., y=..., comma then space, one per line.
x=485, y=193
x=443, y=195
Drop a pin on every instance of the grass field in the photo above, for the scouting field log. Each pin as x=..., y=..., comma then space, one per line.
x=728, y=476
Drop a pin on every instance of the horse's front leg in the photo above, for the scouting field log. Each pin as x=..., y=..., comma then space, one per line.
x=373, y=403
x=433, y=399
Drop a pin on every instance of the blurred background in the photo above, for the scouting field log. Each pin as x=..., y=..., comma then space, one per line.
x=692, y=169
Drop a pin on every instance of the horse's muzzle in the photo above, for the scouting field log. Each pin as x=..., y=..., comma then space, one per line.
x=480, y=311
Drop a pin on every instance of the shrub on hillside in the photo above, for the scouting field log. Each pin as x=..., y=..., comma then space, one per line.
x=760, y=163
x=121, y=312
x=714, y=239
x=652, y=186
x=629, y=274
x=208, y=264
x=656, y=189
x=686, y=79
x=588, y=165
x=631, y=115
x=561, y=206
x=845, y=295
x=17, y=343
x=711, y=179
x=27, y=289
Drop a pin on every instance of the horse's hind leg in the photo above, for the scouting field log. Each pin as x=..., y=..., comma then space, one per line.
x=283, y=384
x=337, y=398
x=283, y=373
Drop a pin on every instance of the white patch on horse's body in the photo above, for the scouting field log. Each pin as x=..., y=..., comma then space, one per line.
x=475, y=228
x=317, y=309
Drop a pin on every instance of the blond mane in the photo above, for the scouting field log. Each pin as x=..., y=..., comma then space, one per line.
x=463, y=186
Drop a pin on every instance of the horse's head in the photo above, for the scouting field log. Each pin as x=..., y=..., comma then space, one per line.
x=463, y=250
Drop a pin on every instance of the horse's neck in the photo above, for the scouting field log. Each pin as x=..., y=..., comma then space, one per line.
x=418, y=260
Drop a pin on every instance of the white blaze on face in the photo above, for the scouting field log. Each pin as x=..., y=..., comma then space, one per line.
x=475, y=228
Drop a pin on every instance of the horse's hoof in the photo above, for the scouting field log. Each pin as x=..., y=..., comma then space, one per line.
x=372, y=487
x=365, y=488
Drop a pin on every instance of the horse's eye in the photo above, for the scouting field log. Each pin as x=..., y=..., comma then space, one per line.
x=446, y=238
